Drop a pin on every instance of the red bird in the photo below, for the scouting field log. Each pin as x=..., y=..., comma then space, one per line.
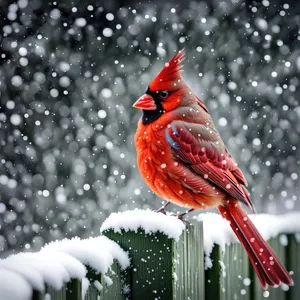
x=183, y=159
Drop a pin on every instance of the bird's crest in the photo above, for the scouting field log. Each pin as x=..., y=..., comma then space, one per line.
x=170, y=74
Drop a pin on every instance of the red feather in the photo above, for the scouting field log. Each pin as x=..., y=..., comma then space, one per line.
x=170, y=74
x=193, y=151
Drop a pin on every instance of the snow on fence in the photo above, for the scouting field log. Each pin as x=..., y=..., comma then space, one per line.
x=146, y=255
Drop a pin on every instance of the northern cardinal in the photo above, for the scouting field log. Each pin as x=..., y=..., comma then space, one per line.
x=183, y=159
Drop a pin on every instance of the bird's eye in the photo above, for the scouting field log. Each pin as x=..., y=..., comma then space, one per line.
x=163, y=94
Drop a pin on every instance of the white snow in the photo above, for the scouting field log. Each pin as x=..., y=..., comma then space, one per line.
x=271, y=226
x=147, y=220
x=64, y=81
x=57, y=263
x=99, y=252
x=85, y=283
x=80, y=22
x=262, y=24
x=98, y=285
x=13, y=286
x=218, y=231
x=15, y=119
x=51, y=271
x=107, y=32
x=74, y=267
x=16, y=80
x=106, y=93
x=23, y=267
x=55, y=14
x=102, y=114
x=110, y=17
x=23, y=51
x=108, y=281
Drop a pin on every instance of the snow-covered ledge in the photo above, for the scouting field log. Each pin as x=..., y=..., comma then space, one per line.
x=165, y=253
x=147, y=220
x=216, y=230
x=56, y=264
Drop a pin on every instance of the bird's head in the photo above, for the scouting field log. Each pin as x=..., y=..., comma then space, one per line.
x=165, y=92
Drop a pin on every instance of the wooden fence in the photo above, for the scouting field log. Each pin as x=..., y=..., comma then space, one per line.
x=162, y=268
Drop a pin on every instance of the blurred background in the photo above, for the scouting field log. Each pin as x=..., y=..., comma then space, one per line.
x=70, y=72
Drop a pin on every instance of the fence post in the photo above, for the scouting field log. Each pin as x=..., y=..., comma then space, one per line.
x=293, y=264
x=56, y=294
x=118, y=290
x=94, y=290
x=228, y=278
x=163, y=268
x=189, y=264
x=212, y=276
x=36, y=295
x=73, y=289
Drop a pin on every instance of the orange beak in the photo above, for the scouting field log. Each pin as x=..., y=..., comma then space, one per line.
x=145, y=102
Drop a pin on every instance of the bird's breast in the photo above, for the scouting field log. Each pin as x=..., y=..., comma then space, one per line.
x=165, y=175
x=153, y=156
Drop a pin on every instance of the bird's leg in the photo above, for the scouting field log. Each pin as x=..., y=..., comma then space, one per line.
x=180, y=217
x=162, y=209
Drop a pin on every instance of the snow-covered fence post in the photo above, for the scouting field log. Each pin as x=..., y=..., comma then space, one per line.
x=166, y=260
x=229, y=274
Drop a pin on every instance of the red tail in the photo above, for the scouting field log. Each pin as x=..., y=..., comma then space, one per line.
x=266, y=265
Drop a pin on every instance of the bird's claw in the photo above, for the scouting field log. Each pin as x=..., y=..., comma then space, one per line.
x=180, y=216
x=161, y=210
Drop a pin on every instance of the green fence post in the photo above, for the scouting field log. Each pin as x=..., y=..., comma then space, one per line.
x=57, y=295
x=73, y=289
x=189, y=264
x=151, y=256
x=117, y=289
x=93, y=290
x=228, y=278
x=156, y=259
x=36, y=295
x=212, y=276
x=236, y=282
x=293, y=264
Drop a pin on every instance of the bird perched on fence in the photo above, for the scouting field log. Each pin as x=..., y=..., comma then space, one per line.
x=183, y=159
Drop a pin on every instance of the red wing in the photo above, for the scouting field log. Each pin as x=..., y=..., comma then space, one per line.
x=200, y=149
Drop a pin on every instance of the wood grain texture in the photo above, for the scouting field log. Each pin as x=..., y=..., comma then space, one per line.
x=151, y=272
x=293, y=264
x=228, y=275
x=54, y=294
x=189, y=264
x=212, y=276
x=73, y=290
